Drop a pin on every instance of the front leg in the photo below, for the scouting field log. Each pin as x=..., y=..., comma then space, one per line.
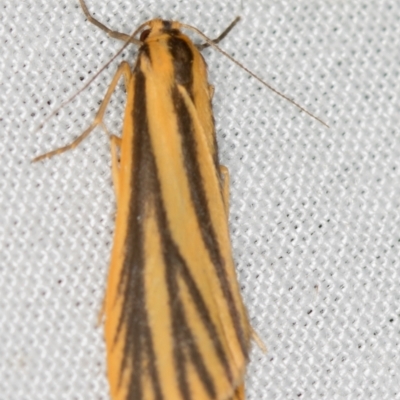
x=225, y=186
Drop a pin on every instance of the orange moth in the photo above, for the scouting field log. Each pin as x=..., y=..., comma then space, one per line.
x=174, y=321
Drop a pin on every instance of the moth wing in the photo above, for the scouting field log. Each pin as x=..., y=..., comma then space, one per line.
x=209, y=324
x=175, y=324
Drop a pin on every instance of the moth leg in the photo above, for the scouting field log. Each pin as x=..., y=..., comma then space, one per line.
x=225, y=186
x=221, y=36
x=115, y=143
x=110, y=32
x=225, y=194
x=258, y=340
x=123, y=69
x=211, y=91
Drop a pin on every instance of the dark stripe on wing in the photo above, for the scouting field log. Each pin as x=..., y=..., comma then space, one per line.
x=185, y=346
x=139, y=354
x=182, y=56
x=199, y=199
x=206, y=318
x=182, y=59
x=184, y=341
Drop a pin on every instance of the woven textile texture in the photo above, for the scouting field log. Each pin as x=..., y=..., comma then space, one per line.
x=314, y=212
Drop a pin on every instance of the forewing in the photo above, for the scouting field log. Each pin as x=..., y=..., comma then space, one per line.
x=175, y=324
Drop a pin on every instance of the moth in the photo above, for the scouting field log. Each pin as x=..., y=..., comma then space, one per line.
x=175, y=325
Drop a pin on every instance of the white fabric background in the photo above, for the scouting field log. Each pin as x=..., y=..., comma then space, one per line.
x=314, y=211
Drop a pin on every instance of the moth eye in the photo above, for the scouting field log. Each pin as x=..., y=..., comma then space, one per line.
x=144, y=35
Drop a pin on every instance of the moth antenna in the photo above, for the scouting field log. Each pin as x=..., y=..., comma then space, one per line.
x=88, y=83
x=216, y=47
